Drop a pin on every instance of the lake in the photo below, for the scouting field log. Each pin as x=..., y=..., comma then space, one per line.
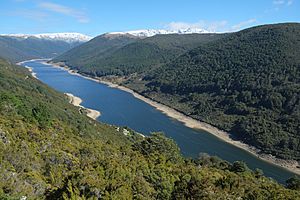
x=123, y=109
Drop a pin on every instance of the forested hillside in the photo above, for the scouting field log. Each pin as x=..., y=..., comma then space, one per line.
x=49, y=150
x=17, y=49
x=101, y=57
x=96, y=49
x=247, y=83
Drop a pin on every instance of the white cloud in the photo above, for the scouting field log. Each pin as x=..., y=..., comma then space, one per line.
x=283, y=2
x=243, y=24
x=290, y=2
x=278, y=5
x=217, y=26
x=79, y=15
x=182, y=25
x=278, y=2
x=31, y=14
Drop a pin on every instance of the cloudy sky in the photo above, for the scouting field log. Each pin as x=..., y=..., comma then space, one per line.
x=94, y=17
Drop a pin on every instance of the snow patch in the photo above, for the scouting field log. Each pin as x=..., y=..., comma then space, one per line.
x=67, y=37
x=152, y=32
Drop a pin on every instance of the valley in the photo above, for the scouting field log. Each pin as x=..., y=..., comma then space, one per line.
x=216, y=94
x=149, y=100
x=113, y=82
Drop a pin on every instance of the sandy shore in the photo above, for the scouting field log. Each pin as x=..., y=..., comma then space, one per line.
x=291, y=165
x=33, y=74
x=76, y=101
x=38, y=59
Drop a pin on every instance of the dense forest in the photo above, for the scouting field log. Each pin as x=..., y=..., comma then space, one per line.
x=50, y=150
x=95, y=49
x=124, y=54
x=246, y=83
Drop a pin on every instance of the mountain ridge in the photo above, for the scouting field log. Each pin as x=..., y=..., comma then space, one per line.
x=20, y=47
x=69, y=37
x=152, y=32
x=139, y=53
x=246, y=84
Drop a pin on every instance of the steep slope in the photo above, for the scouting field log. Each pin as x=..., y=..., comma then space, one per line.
x=137, y=56
x=49, y=150
x=247, y=83
x=95, y=49
x=23, y=47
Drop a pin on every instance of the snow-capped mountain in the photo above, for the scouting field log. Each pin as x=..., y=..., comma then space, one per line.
x=152, y=32
x=67, y=37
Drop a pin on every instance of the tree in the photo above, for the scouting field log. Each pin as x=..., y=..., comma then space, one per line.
x=239, y=166
x=293, y=183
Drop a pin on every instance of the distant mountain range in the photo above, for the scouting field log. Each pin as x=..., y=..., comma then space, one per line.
x=78, y=37
x=19, y=47
x=126, y=52
x=152, y=32
x=123, y=54
x=66, y=37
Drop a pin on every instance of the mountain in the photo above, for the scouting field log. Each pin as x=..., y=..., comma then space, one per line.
x=50, y=149
x=95, y=49
x=247, y=83
x=66, y=37
x=23, y=47
x=151, y=32
x=101, y=56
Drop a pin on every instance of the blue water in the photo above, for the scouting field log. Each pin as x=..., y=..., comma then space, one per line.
x=123, y=109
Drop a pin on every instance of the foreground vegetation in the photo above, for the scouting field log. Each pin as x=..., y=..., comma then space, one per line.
x=49, y=150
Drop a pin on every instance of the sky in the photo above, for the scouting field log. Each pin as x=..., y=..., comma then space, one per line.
x=95, y=17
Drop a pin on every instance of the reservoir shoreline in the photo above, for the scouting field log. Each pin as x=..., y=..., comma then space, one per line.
x=32, y=73
x=290, y=165
x=76, y=101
